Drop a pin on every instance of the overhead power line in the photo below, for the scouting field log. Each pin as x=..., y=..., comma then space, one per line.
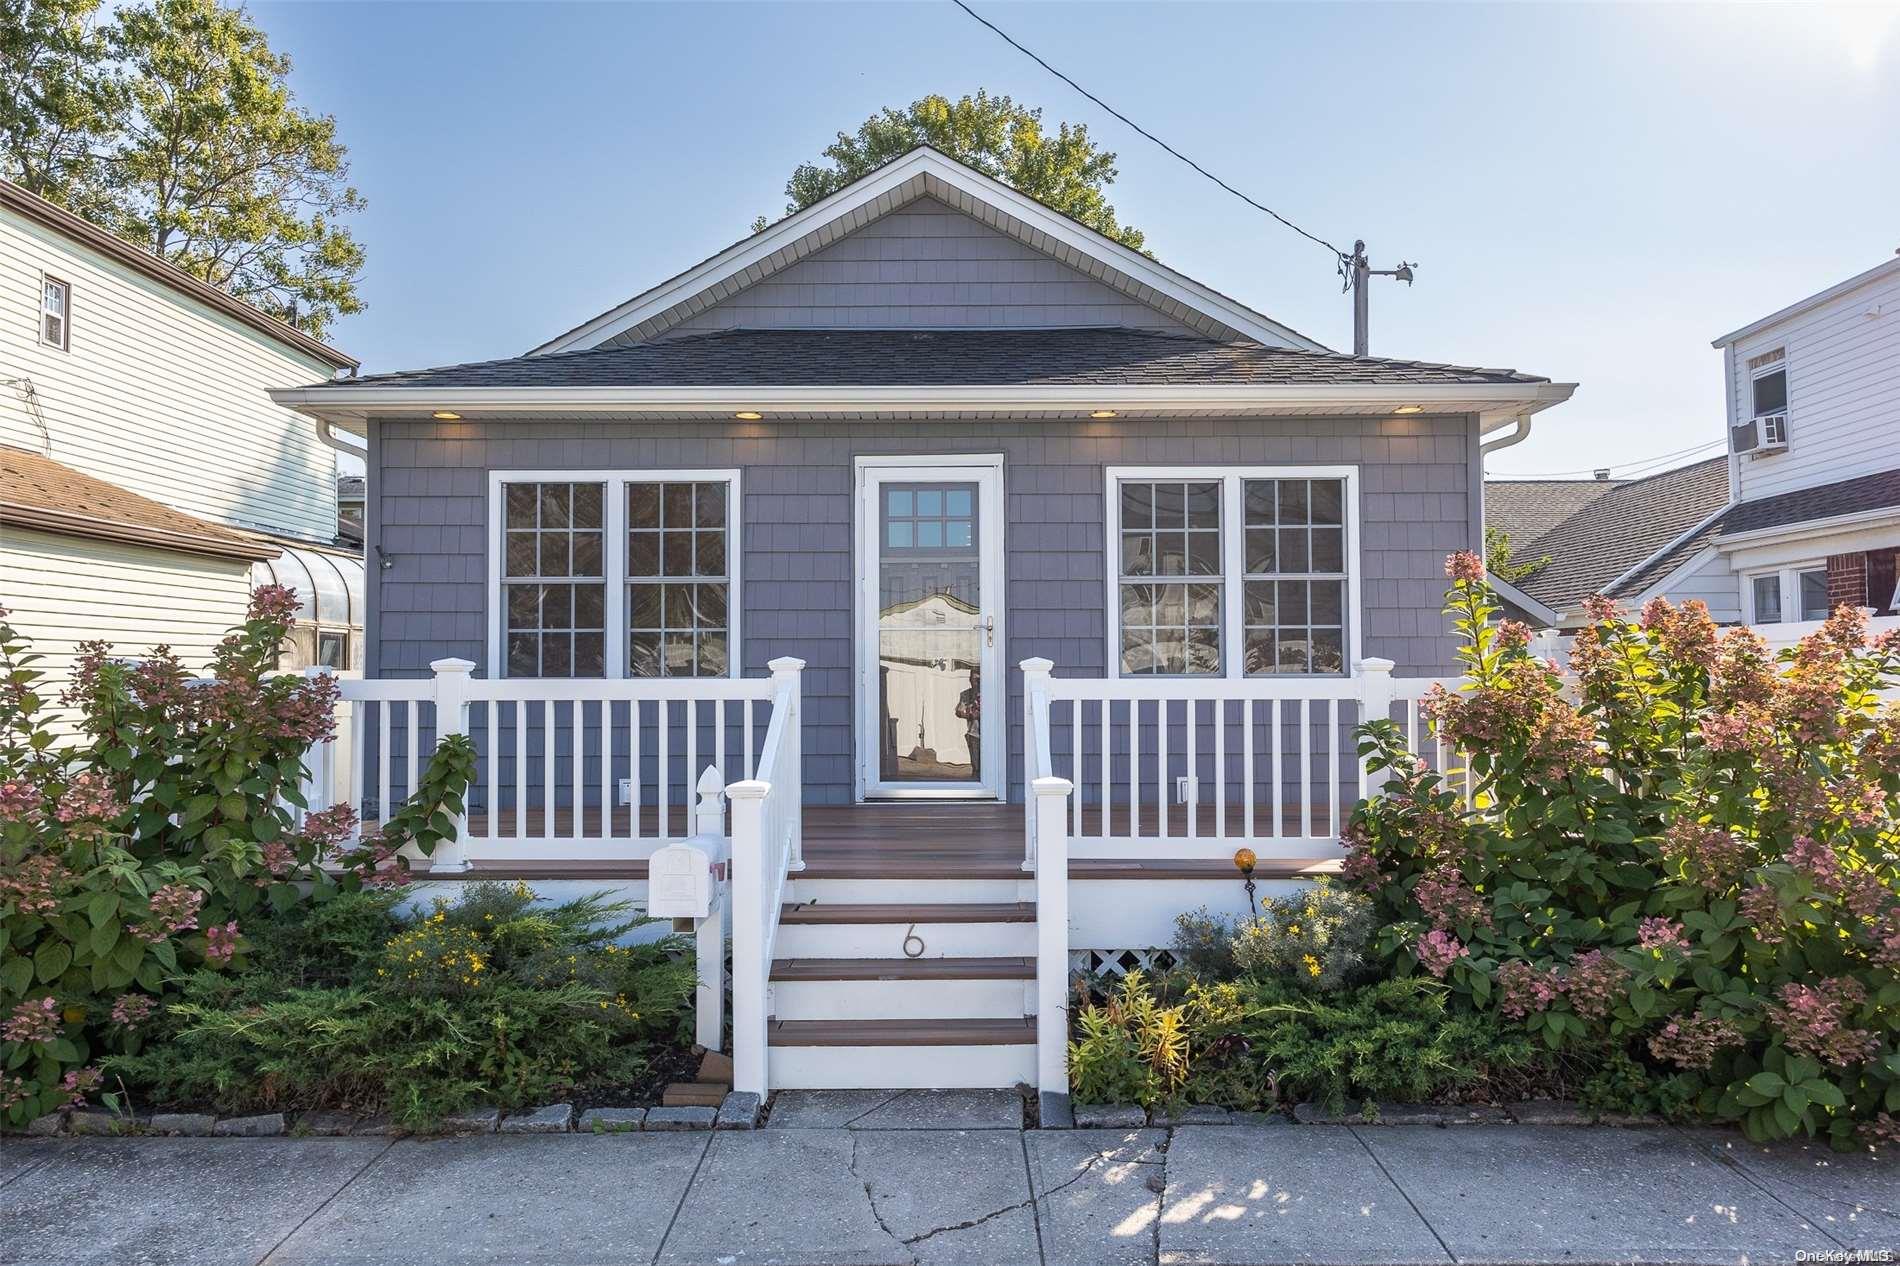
x=1344, y=258
x=1626, y=469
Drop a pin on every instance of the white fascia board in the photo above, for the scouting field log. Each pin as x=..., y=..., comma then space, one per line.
x=1876, y=273
x=1529, y=605
x=343, y=402
x=737, y=258
x=1676, y=575
x=1676, y=542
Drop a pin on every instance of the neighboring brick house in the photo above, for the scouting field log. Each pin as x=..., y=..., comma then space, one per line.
x=1802, y=514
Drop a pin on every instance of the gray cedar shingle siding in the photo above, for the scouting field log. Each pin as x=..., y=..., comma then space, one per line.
x=926, y=265
x=428, y=512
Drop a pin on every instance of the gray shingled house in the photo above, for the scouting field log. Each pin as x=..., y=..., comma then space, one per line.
x=921, y=502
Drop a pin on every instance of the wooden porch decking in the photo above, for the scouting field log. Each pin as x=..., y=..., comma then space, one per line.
x=924, y=839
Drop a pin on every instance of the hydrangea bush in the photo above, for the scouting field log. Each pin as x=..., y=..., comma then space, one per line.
x=1683, y=851
x=138, y=846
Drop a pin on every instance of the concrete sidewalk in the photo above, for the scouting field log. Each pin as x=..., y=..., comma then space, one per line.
x=843, y=1181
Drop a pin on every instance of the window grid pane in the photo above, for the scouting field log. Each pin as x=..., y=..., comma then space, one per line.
x=554, y=623
x=1293, y=597
x=678, y=582
x=1171, y=532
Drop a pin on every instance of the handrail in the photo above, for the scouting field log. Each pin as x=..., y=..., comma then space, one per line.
x=767, y=845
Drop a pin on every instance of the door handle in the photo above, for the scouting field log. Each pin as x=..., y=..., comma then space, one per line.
x=989, y=630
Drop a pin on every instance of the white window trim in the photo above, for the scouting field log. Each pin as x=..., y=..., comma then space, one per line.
x=1756, y=374
x=614, y=555
x=1233, y=560
x=66, y=317
x=1790, y=578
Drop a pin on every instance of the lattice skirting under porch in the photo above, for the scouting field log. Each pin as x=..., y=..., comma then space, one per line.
x=1119, y=962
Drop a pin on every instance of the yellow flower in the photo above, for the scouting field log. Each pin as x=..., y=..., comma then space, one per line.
x=1312, y=965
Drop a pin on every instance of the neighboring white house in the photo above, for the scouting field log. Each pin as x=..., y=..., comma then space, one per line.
x=144, y=470
x=1801, y=516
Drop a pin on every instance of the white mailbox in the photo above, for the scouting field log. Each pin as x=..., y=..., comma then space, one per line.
x=679, y=883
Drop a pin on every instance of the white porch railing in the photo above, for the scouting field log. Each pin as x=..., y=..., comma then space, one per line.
x=1184, y=768
x=574, y=769
x=1045, y=801
x=767, y=843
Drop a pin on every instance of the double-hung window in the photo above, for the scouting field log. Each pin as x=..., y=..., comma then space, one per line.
x=1789, y=594
x=1232, y=572
x=56, y=303
x=622, y=574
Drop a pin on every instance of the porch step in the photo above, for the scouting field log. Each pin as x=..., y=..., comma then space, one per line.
x=904, y=969
x=909, y=912
x=1014, y=1031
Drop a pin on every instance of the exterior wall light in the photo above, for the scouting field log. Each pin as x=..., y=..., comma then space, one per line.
x=1103, y=413
x=446, y=415
x=747, y=415
x=1410, y=408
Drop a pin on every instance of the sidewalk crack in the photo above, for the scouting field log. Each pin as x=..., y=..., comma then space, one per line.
x=875, y=1108
x=327, y=1201
x=871, y=1200
x=1034, y=1196
x=1403, y=1194
x=685, y=1191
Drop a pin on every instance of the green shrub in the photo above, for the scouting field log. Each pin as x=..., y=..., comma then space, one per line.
x=490, y=1000
x=1689, y=859
x=1315, y=939
x=1395, y=1041
x=155, y=842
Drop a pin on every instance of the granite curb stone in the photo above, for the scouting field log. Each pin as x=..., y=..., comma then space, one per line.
x=328, y=1124
x=259, y=1126
x=1110, y=1116
x=740, y=1111
x=190, y=1124
x=472, y=1121
x=554, y=1118
x=681, y=1118
x=1055, y=1110
x=612, y=1120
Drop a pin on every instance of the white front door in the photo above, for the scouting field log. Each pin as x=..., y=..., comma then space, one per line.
x=930, y=628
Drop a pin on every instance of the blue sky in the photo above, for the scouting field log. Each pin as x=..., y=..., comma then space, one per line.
x=1591, y=192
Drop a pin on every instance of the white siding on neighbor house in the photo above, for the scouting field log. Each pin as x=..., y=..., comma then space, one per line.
x=1714, y=583
x=927, y=265
x=158, y=394
x=1843, y=391
x=63, y=590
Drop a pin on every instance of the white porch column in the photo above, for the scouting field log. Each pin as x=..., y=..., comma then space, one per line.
x=787, y=690
x=1050, y=797
x=1375, y=704
x=749, y=968
x=1036, y=672
x=451, y=718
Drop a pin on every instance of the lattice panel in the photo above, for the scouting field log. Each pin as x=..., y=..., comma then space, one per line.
x=1119, y=962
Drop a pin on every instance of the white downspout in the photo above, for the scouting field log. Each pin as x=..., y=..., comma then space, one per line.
x=333, y=440
x=1520, y=431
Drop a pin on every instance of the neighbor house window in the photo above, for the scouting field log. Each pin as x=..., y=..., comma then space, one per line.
x=1768, y=382
x=1793, y=593
x=56, y=302
x=623, y=574
x=1232, y=572
x=333, y=650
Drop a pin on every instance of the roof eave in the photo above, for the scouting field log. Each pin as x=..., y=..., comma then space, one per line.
x=881, y=183
x=69, y=523
x=1876, y=273
x=1493, y=402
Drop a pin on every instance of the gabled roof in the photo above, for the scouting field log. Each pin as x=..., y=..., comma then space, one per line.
x=39, y=493
x=888, y=358
x=84, y=233
x=1878, y=272
x=926, y=172
x=1602, y=537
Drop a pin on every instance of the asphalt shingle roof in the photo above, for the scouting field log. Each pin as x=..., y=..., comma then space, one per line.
x=907, y=358
x=1604, y=535
x=38, y=492
x=1878, y=491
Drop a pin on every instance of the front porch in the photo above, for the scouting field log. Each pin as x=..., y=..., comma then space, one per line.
x=904, y=943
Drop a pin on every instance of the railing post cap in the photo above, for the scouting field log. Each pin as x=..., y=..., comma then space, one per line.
x=1374, y=664
x=1051, y=786
x=452, y=665
x=786, y=664
x=711, y=781
x=1037, y=664
x=748, y=789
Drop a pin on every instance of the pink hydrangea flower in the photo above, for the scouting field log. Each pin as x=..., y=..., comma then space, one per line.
x=1437, y=950
x=221, y=943
x=131, y=1010
x=1660, y=933
x=1595, y=983
x=1523, y=988
x=1464, y=567
x=1694, y=1041
x=1812, y=1020
x=174, y=909
x=33, y=1022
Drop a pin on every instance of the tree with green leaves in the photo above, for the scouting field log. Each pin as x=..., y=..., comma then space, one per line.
x=173, y=124
x=1066, y=171
x=59, y=101
x=1500, y=558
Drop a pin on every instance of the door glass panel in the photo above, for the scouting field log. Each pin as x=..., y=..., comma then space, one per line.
x=930, y=635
